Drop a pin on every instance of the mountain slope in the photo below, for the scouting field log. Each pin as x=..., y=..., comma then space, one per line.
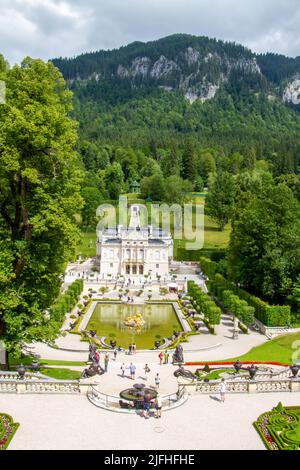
x=152, y=94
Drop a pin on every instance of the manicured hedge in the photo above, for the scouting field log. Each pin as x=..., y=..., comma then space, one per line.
x=269, y=315
x=239, y=307
x=208, y=267
x=206, y=305
x=66, y=301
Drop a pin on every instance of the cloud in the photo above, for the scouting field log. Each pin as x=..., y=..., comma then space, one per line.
x=53, y=28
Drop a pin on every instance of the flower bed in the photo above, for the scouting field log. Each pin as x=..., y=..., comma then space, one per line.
x=230, y=363
x=7, y=430
x=280, y=428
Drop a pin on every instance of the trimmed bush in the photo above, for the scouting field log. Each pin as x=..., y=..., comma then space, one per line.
x=66, y=302
x=208, y=267
x=204, y=304
x=269, y=315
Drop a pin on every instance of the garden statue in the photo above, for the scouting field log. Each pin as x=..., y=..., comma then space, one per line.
x=295, y=369
x=252, y=371
x=235, y=334
x=237, y=365
x=187, y=374
x=178, y=355
x=92, y=371
x=92, y=352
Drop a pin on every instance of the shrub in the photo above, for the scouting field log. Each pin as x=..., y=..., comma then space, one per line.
x=269, y=315
x=209, y=267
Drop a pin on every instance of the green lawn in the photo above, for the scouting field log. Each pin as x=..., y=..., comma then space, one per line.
x=84, y=247
x=27, y=360
x=61, y=374
x=285, y=349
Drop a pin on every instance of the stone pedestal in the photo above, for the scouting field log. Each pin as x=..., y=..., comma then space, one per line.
x=295, y=385
x=235, y=334
x=252, y=387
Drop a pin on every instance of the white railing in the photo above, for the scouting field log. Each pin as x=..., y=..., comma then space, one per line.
x=244, y=386
x=115, y=403
x=51, y=386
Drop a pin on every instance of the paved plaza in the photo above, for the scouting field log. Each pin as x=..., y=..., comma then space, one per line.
x=71, y=422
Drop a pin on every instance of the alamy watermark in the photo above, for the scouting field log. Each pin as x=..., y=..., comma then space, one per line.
x=185, y=222
x=2, y=92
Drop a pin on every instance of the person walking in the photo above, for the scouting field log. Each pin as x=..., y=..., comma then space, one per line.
x=106, y=361
x=223, y=390
x=157, y=380
x=130, y=349
x=167, y=356
x=123, y=367
x=97, y=357
x=147, y=370
x=147, y=404
x=158, y=405
x=132, y=369
x=134, y=348
x=161, y=357
x=115, y=354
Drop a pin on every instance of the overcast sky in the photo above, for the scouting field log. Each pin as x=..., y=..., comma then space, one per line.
x=54, y=28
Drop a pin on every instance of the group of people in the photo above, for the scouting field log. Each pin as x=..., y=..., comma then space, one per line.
x=132, y=348
x=148, y=402
x=106, y=359
x=132, y=370
x=164, y=357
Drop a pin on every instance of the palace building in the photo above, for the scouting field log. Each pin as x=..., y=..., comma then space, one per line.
x=134, y=250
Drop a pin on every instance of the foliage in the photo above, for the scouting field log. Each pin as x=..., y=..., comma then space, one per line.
x=264, y=249
x=269, y=315
x=40, y=178
x=208, y=267
x=66, y=302
x=205, y=304
x=220, y=199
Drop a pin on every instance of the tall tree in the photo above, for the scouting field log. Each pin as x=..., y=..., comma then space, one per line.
x=39, y=197
x=188, y=164
x=220, y=200
x=264, y=250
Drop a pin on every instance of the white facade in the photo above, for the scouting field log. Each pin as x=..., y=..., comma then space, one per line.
x=135, y=251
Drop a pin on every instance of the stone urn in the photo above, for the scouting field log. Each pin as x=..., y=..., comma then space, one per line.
x=295, y=369
x=157, y=344
x=93, y=333
x=252, y=371
x=21, y=371
x=237, y=365
x=113, y=344
x=35, y=366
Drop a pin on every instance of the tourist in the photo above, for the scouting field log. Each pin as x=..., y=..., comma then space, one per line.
x=161, y=357
x=147, y=404
x=222, y=390
x=123, y=367
x=115, y=354
x=166, y=356
x=158, y=405
x=106, y=361
x=134, y=348
x=147, y=370
x=97, y=357
x=157, y=380
x=130, y=349
x=132, y=369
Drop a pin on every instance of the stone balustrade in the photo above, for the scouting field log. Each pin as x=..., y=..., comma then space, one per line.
x=45, y=386
x=244, y=386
